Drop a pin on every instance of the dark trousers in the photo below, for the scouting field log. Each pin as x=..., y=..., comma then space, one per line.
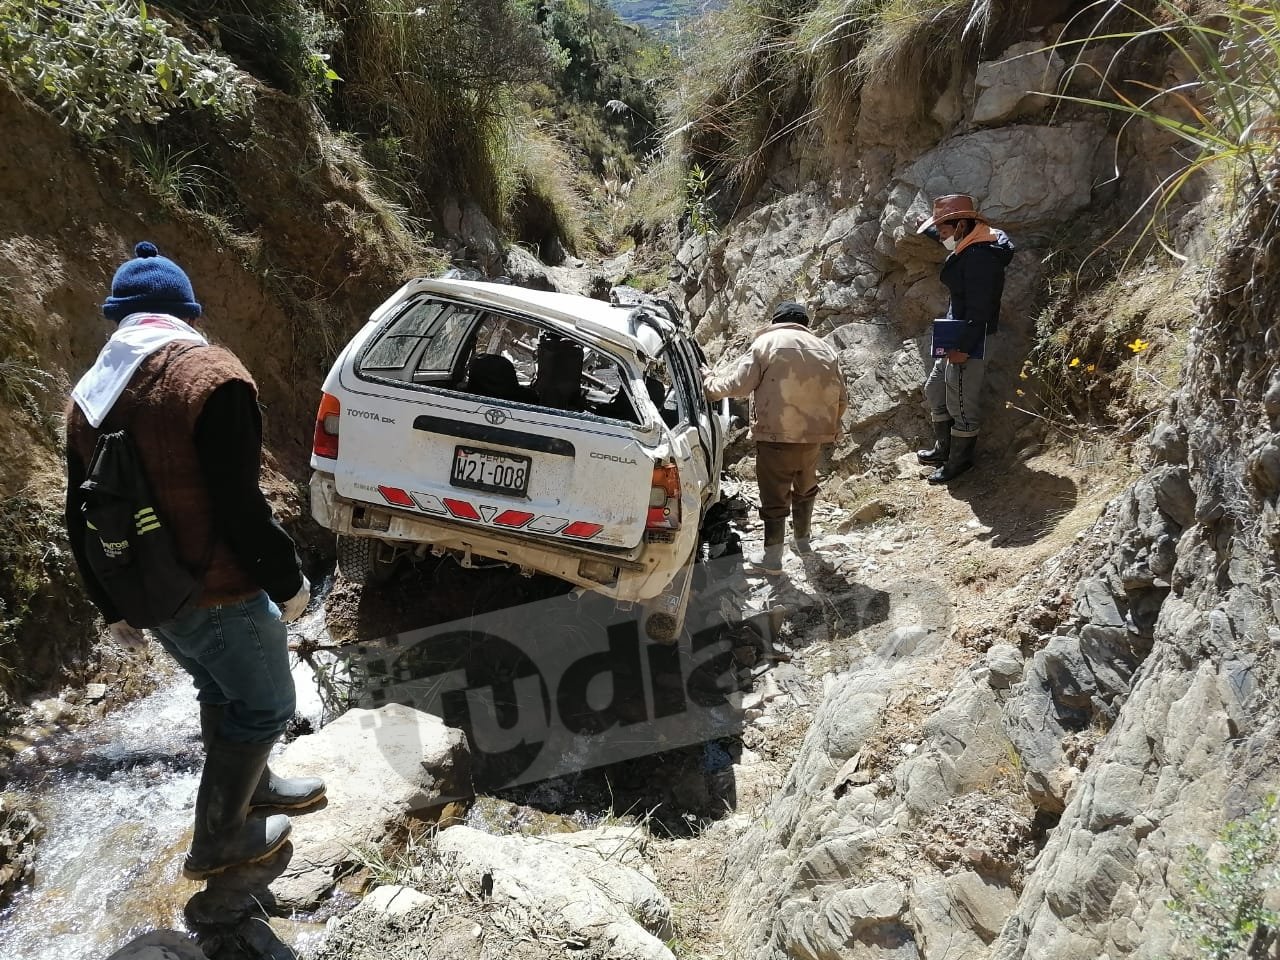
x=785, y=471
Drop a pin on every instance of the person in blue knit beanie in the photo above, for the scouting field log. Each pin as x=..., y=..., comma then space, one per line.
x=150, y=283
x=190, y=409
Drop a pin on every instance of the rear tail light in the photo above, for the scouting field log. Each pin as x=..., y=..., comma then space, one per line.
x=327, y=419
x=664, y=499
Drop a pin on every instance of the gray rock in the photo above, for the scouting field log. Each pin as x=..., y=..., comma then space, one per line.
x=160, y=945
x=1005, y=662
x=589, y=886
x=1096, y=603
x=1023, y=176
x=379, y=767
x=941, y=933
x=1264, y=467
x=1169, y=445
x=392, y=900
x=1013, y=86
x=1174, y=494
x=526, y=270
x=982, y=905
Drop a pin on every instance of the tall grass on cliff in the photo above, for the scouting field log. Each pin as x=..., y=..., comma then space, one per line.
x=761, y=71
x=1227, y=112
x=97, y=63
x=435, y=78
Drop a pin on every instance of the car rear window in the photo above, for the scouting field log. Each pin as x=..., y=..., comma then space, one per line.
x=469, y=349
x=422, y=343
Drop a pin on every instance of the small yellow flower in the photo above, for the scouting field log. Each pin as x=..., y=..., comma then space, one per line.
x=1022, y=375
x=1138, y=345
x=1019, y=393
x=1090, y=368
x=1075, y=362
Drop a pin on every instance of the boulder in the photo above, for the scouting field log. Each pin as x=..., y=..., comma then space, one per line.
x=380, y=767
x=1023, y=177
x=1013, y=86
x=592, y=886
x=526, y=270
x=160, y=945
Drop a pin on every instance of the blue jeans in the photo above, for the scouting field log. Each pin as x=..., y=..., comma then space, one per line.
x=238, y=656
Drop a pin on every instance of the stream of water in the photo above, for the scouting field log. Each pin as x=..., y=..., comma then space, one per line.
x=116, y=800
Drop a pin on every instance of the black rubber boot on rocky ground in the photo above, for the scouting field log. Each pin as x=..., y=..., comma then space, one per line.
x=775, y=536
x=225, y=835
x=941, y=444
x=801, y=520
x=960, y=460
x=286, y=793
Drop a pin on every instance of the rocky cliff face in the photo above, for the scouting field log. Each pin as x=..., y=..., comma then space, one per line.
x=1116, y=709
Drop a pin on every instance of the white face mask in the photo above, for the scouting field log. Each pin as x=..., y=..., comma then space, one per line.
x=951, y=243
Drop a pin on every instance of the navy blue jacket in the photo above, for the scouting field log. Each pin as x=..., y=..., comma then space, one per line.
x=975, y=277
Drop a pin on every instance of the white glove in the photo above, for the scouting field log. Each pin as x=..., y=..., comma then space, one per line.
x=127, y=638
x=293, y=608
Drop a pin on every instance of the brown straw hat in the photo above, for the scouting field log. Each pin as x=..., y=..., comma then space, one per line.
x=954, y=206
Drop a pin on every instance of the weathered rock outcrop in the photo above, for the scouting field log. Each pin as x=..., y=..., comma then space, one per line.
x=1043, y=806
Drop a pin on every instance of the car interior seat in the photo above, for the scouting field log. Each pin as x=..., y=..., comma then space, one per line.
x=493, y=375
x=559, y=379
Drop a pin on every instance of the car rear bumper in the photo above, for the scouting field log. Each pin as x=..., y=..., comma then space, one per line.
x=635, y=575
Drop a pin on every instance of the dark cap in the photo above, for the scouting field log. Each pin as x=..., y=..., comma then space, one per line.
x=788, y=311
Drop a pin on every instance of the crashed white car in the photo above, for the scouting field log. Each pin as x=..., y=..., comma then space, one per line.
x=555, y=433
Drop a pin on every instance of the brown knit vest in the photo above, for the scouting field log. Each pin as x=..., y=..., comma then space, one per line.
x=159, y=408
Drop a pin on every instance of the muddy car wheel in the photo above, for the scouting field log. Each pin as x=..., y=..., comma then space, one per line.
x=365, y=560
x=663, y=616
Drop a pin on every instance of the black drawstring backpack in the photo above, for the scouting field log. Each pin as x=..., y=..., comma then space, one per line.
x=127, y=543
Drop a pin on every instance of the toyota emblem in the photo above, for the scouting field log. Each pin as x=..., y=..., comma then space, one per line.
x=495, y=416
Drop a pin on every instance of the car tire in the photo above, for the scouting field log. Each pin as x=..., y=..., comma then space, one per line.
x=663, y=617
x=365, y=560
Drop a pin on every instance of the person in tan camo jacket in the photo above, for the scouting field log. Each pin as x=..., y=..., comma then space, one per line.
x=798, y=399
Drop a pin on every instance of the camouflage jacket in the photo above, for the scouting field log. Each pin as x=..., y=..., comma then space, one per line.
x=793, y=377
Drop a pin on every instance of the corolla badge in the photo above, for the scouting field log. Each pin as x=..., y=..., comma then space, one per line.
x=495, y=417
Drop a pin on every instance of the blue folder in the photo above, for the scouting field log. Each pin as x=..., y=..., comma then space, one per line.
x=951, y=334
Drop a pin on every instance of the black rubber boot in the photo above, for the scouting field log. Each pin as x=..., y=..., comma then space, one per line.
x=225, y=836
x=801, y=520
x=960, y=460
x=941, y=444
x=775, y=536
x=286, y=793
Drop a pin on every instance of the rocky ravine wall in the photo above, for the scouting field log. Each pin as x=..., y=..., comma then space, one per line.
x=1046, y=811
x=835, y=227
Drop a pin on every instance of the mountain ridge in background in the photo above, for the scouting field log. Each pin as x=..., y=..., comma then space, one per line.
x=662, y=15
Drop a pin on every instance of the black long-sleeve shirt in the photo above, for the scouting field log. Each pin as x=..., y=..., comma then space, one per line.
x=228, y=440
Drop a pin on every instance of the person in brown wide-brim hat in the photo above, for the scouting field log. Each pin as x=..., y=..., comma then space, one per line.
x=973, y=273
x=954, y=206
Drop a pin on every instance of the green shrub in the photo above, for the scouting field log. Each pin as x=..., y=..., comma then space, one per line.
x=94, y=63
x=284, y=42
x=1223, y=913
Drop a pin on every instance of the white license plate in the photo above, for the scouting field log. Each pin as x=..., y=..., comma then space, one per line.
x=478, y=469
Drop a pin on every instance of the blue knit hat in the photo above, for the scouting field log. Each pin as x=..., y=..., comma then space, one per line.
x=150, y=284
